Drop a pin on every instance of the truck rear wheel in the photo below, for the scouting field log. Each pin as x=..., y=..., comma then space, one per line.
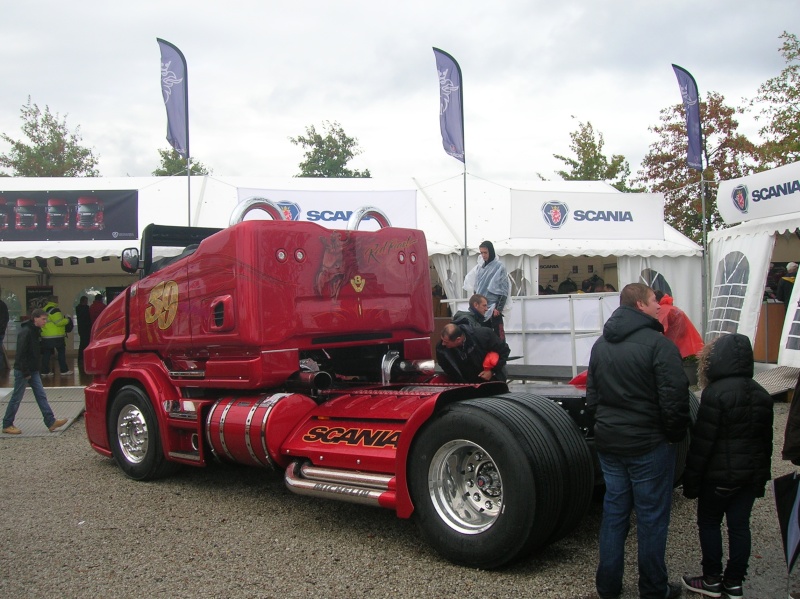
x=473, y=485
x=577, y=465
x=134, y=436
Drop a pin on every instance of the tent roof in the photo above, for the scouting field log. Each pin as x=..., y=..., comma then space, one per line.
x=439, y=212
x=781, y=223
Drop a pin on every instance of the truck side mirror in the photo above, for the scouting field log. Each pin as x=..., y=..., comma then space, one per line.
x=130, y=260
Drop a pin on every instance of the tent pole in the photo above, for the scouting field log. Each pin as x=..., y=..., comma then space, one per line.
x=704, y=269
x=189, y=189
x=466, y=247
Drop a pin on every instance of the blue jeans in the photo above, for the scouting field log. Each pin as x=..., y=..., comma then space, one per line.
x=35, y=382
x=643, y=483
x=736, y=506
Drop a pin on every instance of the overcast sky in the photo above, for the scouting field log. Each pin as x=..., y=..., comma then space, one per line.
x=260, y=71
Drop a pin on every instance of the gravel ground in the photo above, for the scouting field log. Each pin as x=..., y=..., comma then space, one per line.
x=74, y=526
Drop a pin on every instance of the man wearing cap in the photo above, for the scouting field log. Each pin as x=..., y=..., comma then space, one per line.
x=785, y=285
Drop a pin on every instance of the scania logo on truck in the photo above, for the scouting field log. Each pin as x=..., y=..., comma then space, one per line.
x=352, y=436
x=291, y=211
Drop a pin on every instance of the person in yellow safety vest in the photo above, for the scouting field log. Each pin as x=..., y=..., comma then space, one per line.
x=54, y=336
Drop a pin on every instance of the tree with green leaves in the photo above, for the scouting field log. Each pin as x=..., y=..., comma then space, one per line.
x=664, y=168
x=327, y=155
x=52, y=149
x=173, y=163
x=590, y=164
x=779, y=102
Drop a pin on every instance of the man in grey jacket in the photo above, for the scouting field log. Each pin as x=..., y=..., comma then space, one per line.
x=639, y=397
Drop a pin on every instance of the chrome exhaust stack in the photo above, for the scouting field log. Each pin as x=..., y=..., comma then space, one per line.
x=343, y=485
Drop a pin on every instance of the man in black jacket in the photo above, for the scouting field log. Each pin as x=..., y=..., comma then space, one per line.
x=462, y=354
x=638, y=395
x=475, y=316
x=26, y=371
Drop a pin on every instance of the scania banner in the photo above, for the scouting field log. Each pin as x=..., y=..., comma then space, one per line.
x=560, y=215
x=770, y=193
x=332, y=209
x=68, y=215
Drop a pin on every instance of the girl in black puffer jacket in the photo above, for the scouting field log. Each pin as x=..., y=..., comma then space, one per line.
x=729, y=460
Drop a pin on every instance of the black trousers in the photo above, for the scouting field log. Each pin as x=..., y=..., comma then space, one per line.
x=735, y=505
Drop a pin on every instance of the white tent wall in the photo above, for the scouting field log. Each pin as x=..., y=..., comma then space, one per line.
x=682, y=273
x=740, y=257
x=767, y=204
x=441, y=215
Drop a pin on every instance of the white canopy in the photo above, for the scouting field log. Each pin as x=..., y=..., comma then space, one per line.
x=740, y=258
x=441, y=215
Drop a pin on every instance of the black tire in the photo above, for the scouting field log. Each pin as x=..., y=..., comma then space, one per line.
x=577, y=462
x=472, y=479
x=682, y=450
x=134, y=436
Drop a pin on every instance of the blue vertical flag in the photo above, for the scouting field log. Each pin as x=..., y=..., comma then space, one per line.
x=451, y=109
x=175, y=90
x=691, y=102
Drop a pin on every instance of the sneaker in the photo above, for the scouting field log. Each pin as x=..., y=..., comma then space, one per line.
x=703, y=586
x=732, y=589
x=674, y=590
x=12, y=430
x=45, y=374
x=57, y=424
x=66, y=372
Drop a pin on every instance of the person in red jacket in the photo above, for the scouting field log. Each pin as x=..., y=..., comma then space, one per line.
x=677, y=326
x=96, y=307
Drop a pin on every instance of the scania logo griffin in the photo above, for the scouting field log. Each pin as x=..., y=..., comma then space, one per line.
x=352, y=436
x=555, y=214
x=291, y=211
x=739, y=197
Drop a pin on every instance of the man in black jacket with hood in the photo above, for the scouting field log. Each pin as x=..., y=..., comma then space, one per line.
x=638, y=395
x=26, y=372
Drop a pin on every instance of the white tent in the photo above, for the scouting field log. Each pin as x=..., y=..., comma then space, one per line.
x=437, y=208
x=489, y=217
x=740, y=256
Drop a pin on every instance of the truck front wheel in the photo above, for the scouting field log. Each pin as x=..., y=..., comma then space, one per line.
x=134, y=436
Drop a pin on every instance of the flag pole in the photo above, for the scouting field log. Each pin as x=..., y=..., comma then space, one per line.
x=451, y=121
x=466, y=247
x=188, y=153
x=189, y=191
x=694, y=158
x=175, y=90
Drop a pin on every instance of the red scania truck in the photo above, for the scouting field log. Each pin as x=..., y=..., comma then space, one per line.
x=306, y=351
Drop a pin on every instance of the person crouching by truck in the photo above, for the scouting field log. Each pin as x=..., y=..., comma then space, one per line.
x=470, y=355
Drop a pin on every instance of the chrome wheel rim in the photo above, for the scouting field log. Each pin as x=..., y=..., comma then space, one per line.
x=465, y=487
x=132, y=434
